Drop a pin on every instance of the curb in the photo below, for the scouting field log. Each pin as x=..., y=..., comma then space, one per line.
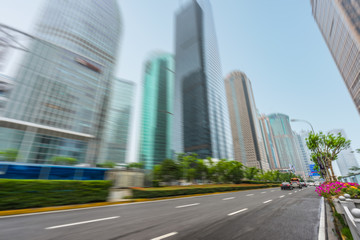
x=99, y=204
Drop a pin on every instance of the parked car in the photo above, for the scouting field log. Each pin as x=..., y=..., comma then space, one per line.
x=303, y=184
x=286, y=185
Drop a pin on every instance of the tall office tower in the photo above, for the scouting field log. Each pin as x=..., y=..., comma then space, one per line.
x=117, y=126
x=346, y=158
x=202, y=122
x=339, y=23
x=285, y=142
x=246, y=133
x=59, y=103
x=157, y=110
x=303, y=150
x=270, y=144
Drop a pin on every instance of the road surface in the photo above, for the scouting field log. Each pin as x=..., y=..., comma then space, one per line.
x=254, y=214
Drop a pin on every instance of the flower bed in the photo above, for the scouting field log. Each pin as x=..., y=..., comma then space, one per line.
x=336, y=189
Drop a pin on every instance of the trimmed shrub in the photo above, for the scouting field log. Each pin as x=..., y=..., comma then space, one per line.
x=143, y=193
x=18, y=194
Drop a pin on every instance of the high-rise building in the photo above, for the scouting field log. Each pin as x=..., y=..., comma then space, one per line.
x=346, y=158
x=157, y=110
x=201, y=115
x=246, y=133
x=116, y=134
x=285, y=143
x=303, y=151
x=59, y=103
x=339, y=23
x=269, y=142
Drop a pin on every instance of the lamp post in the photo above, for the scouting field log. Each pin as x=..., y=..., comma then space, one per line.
x=300, y=120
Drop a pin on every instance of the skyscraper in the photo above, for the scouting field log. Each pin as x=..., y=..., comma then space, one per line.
x=157, y=113
x=59, y=103
x=114, y=147
x=246, y=133
x=269, y=142
x=303, y=151
x=339, y=23
x=285, y=142
x=201, y=116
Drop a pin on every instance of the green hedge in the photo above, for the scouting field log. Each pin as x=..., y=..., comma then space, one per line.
x=18, y=194
x=143, y=193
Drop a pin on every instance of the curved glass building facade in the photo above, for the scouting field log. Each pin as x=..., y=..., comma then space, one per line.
x=59, y=103
x=202, y=122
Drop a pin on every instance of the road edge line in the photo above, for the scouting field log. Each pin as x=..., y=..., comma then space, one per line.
x=321, y=235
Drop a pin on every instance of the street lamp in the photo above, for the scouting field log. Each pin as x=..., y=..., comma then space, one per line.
x=300, y=120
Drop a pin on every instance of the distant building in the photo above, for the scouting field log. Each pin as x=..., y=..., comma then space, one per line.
x=115, y=140
x=269, y=142
x=339, y=23
x=246, y=133
x=6, y=84
x=285, y=143
x=346, y=158
x=201, y=115
x=303, y=151
x=157, y=110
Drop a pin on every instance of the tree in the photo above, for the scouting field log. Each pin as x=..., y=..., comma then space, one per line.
x=251, y=172
x=230, y=171
x=106, y=165
x=9, y=155
x=170, y=170
x=139, y=165
x=325, y=149
x=63, y=160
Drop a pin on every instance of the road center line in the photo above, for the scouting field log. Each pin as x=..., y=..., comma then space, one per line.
x=267, y=201
x=188, y=205
x=230, y=214
x=249, y=195
x=290, y=193
x=282, y=196
x=229, y=198
x=78, y=223
x=164, y=236
x=263, y=192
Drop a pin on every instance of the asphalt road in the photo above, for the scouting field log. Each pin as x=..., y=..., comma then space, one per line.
x=255, y=214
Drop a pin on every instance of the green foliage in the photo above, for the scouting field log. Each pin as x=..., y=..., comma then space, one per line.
x=143, y=193
x=63, y=160
x=325, y=148
x=169, y=170
x=139, y=165
x=106, y=165
x=251, y=172
x=347, y=233
x=18, y=194
x=9, y=155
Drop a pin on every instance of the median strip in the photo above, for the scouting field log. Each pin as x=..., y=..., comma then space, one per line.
x=78, y=223
x=165, y=236
x=267, y=201
x=242, y=210
x=188, y=205
x=229, y=198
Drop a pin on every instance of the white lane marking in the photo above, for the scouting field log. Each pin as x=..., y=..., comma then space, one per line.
x=188, y=205
x=267, y=201
x=295, y=191
x=78, y=223
x=230, y=214
x=282, y=196
x=290, y=193
x=272, y=191
x=263, y=192
x=112, y=205
x=165, y=236
x=229, y=198
x=250, y=195
x=321, y=235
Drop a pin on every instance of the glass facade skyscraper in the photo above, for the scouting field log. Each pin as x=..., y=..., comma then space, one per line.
x=114, y=147
x=246, y=133
x=59, y=103
x=201, y=115
x=339, y=23
x=157, y=113
x=285, y=142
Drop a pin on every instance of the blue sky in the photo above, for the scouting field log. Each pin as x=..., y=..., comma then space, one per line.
x=276, y=43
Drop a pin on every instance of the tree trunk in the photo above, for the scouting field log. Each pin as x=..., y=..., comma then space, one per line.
x=332, y=172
